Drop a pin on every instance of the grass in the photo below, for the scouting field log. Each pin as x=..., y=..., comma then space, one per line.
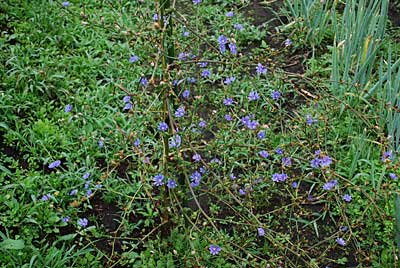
x=272, y=154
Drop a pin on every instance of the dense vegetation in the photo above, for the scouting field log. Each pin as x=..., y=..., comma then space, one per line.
x=204, y=133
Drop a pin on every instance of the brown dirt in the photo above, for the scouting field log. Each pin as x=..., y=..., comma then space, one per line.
x=108, y=215
x=14, y=153
x=394, y=14
x=262, y=14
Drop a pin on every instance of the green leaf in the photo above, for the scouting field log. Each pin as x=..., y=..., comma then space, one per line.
x=397, y=220
x=53, y=219
x=4, y=125
x=263, y=44
x=5, y=170
x=67, y=237
x=12, y=244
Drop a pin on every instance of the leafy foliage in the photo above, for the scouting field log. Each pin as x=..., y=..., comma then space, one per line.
x=140, y=135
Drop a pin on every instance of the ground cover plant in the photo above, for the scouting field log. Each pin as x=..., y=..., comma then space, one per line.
x=205, y=133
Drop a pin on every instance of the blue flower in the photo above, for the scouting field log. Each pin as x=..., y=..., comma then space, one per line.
x=202, y=124
x=261, y=231
x=279, y=177
x=180, y=112
x=133, y=59
x=329, y=185
x=238, y=26
x=242, y=191
x=253, y=95
x=196, y=157
x=228, y=102
x=186, y=94
x=230, y=14
x=261, y=134
x=326, y=161
x=66, y=219
x=387, y=156
x=195, y=177
x=393, y=176
x=144, y=81
x=310, y=120
x=128, y=106
x=275, y=95
x=171, y=184
x=252, y=125
x=136, y=143
x=54, y=164
x=68, y=108
x=203, y=170
x=83, y=222
x=228, y=117
x=126, y=99
x=341, y=241
x=196, y=2
x=65, y=4
x=246, y=119
x=86, y=176
x=229, y=80
x=347, y=198
x=260, y=69
x=73, y=192
x=182, y=56
x=264, y=154
x=205, y=73
x=101, y=143
x=222, y=41
x=191, y=80
x=233, y=48
x=155, y=17
x=286, y=161
x=158, y=180
x=89, y=193
x=175, y=142
x=46, y=197
x=203, y=64
x=288, y=42
x=279, y=151
x=185, y=33
x=162, y=126
x=215, y=160
x=315, y=163
x=214, y=249
x=294, y=184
